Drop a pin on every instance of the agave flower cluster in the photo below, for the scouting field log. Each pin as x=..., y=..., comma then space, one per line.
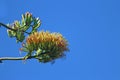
x=18, y=28
x=47, y=46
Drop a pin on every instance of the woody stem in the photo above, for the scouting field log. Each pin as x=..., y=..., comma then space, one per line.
x=15, y=58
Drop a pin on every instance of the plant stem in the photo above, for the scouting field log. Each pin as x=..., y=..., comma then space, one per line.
x=1, y=24
x=14, y=58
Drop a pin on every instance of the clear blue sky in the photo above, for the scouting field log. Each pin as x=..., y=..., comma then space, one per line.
x=92, y=28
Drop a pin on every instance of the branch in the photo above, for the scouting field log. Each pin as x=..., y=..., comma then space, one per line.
x=14, y=58
x=1, y=24
x=22, y=58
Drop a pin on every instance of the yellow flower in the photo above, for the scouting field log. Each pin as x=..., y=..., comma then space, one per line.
x=53, y=44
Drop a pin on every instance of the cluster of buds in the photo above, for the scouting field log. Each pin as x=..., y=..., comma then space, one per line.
x=18, y=28
x=47, y=46
x=16, y=31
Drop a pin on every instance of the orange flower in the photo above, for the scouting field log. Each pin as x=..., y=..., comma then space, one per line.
x=43, y=37
x=52, y=43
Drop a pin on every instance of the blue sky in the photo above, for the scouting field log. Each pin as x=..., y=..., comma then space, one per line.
x=92, y=28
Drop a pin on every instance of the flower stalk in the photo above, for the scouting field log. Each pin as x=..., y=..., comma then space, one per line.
x=15, y=58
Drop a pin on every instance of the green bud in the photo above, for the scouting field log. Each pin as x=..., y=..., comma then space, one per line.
x=23, y=20
x=20, y=36
x=36, y=23
x=16, y=25
x=38, y=52
x=11, y=33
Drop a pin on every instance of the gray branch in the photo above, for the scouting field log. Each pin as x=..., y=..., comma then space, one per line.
x=15, y=58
